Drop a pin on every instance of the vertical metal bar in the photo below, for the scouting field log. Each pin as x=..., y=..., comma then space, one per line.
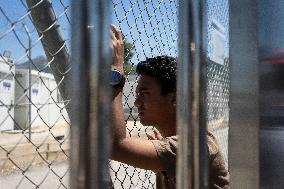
x=202, y=55
x=91, y=94
x=100, y=14
x=30, y=86
x=184, y=96
x=30, y=89
x=244, y=105
x=191, y=115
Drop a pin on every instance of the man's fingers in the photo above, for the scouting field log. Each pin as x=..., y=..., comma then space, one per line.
x=116, y=36
x=116, y=32
x=117, y=47
x=150, y=137
x=112, y=35
x=157, y=134
x=113, y=41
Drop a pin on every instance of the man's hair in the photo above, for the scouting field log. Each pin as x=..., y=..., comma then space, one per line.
x=162, y=68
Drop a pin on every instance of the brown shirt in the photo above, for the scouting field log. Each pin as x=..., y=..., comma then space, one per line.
x=166, y=150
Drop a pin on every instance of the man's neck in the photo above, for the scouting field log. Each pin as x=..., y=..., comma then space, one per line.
x=167, y=129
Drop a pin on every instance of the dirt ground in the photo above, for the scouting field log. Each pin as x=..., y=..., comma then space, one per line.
x=47, y=145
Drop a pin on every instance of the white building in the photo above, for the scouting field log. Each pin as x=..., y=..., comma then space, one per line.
x=7, y=89
x=44, y=106
x=45, y=103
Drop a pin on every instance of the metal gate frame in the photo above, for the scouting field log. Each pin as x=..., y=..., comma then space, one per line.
x=89, y=149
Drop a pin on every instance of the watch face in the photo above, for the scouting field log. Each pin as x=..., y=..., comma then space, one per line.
x=115, y=77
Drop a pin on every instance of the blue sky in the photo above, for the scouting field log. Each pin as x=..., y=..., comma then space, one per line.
x=13, y=14
x=150, y=25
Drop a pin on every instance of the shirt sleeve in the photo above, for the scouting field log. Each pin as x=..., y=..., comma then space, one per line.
x=218, y=168
x=166, y=149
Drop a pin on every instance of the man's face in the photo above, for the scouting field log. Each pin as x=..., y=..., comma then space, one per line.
x=153, y=108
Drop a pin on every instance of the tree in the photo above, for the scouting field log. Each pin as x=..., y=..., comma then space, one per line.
x=128, y=54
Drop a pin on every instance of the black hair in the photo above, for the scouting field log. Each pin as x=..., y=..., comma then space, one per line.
x=162, y=68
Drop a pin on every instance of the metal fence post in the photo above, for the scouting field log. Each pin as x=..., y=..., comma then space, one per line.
x=91, y=94
x=30, y=81
x=191, y=114
x=244, y=105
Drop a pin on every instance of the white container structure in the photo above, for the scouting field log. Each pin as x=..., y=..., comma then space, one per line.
x=45, y=103
x=7, y=86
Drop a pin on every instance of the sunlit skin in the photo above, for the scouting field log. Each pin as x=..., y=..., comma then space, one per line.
x=154, y=108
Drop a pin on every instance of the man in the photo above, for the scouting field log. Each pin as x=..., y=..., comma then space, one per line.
x=156, y=103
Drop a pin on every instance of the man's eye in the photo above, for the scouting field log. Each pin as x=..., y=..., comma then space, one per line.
x=140, y=94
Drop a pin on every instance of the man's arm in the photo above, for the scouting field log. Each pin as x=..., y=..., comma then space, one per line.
x=133, y=151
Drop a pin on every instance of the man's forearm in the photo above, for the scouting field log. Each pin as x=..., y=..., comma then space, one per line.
x=117, y=116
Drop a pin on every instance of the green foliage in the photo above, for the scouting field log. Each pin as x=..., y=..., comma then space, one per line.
x=129, y=69
x=128, y=54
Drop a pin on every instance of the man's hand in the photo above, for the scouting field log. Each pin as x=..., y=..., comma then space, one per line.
x=117, y=47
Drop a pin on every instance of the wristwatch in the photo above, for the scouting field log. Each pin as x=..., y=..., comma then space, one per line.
x=117, y=78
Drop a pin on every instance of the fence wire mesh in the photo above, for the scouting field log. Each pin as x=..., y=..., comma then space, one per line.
x=218, y=76
x=218, y=98
x=35, y=125
x=150, y=29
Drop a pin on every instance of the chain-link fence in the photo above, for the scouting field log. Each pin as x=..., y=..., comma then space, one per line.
x=218, y=78
x=151, y=29
x=34, y=124
x=34, y=100
x=218, y=99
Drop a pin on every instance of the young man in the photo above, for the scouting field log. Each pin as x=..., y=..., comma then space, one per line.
x=156, y=103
